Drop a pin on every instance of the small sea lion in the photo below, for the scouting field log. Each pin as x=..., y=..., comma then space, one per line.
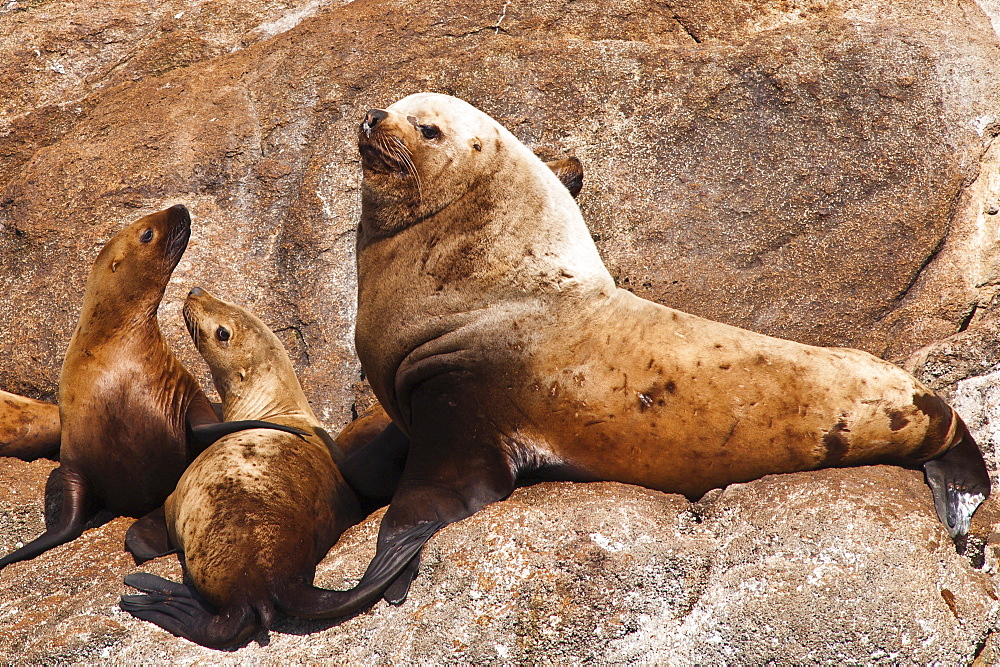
x=496, y=339
x=256, y=511
x=29, y=428
x=131, y=415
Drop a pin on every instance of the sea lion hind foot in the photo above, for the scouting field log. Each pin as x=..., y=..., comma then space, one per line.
x=182, y=611
x=959, y=482
x=147, y=538
x=392, y=558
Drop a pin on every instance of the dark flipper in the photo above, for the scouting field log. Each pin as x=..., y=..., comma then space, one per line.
x=205, y=434
x=959, y=481
x=396, y=593
x=72, y=517
x=147, y=538
x=180, y=610
x=389, y=561
x=570, y=172
x=373, y=470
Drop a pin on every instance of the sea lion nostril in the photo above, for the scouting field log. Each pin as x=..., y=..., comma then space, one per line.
x=196, y=291
x=372, y=118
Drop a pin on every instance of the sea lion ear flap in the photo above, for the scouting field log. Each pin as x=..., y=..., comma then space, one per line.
x=476, y=144
x=570, y=172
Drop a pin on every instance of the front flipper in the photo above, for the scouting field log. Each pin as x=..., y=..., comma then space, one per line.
x=72, y=517
x=959, y=481
x=206, y=434
x=147, y=538
x=182, y=611
x=398, y=589
x=374, y=469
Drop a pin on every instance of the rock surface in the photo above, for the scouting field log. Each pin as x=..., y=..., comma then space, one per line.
x=820, y=170
x=845, y=566
x=815, y=170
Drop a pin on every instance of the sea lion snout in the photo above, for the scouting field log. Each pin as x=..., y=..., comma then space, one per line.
x=179, y=210
x=196, y=291
x=372, y=119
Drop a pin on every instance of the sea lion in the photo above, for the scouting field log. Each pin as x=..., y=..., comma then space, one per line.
x=131, y=415
x=29, y=428
x=375, y=450
x=495, y=338
x=256, y=511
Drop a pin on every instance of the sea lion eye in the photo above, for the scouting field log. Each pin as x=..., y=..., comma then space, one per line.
x=430, y=131
x=147, y=236
x=222, y=333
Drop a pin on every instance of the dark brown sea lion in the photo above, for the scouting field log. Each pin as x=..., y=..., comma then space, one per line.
x=131, y=415
x=496, y=340
x=256, y=511
x=29, y=428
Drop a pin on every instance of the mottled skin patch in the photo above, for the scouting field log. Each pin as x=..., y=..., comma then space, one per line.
x=529, y=361
x=835, y=441
x=256, y=511
x=29, y=429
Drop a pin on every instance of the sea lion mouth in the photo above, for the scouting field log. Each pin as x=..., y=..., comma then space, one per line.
x=384, y=153
x=191, y=322
x=179, y=232
x=188, y=312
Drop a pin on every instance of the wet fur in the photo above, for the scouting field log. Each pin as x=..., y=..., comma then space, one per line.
x=29, y=429
x=125, y=403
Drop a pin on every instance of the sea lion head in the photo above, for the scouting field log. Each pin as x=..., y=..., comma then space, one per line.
x=150, y=247
x=131, y=272
x=421, y=154
x=243, y=354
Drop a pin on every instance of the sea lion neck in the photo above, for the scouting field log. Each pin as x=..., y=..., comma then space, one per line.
x=261, y=390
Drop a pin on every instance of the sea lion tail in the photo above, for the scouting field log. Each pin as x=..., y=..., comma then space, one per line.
x=182, y=611
x=960, y=482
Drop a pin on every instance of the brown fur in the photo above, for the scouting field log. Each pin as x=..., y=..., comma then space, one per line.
x=29, y=428
x=362, y=430
x=258, y=509
x=124, y=399
x=496, y=340
x=126, y=405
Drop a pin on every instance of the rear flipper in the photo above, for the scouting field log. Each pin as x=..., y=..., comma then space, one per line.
x=147, y=538
x=72, y=516
x=391, y=558
x=959, y=481
x=181, y=610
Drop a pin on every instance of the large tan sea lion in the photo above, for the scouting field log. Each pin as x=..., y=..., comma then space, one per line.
x=29, y=428
x=131, y=415
x=497, y=341
x=256, y=511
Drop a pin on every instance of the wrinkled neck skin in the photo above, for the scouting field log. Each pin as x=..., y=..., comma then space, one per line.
x=267, y=390
x=509, y=243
